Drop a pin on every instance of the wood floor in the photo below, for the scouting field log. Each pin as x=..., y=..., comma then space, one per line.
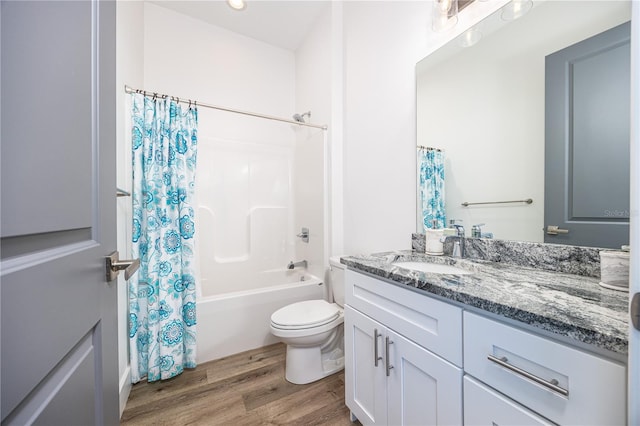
x=242, y=389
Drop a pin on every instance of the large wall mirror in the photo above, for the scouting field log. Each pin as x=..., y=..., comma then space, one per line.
x=484, y=106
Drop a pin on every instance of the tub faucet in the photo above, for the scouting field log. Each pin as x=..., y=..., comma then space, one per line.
x=292, y=265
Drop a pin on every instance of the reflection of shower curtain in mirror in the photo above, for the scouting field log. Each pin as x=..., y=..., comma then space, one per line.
x=431, y=186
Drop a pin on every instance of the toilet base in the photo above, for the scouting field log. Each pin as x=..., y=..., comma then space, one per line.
x=309, y=364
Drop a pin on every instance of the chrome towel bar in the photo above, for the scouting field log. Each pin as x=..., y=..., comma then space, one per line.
x=528, y=201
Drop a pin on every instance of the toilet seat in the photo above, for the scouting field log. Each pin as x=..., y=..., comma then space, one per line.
x=305, y=315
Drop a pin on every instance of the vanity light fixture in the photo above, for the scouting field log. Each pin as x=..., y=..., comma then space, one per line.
x=237, y=4
x=516, y=9
x=444, y=14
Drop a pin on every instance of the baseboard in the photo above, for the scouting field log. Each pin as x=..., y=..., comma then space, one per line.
x=125, y=388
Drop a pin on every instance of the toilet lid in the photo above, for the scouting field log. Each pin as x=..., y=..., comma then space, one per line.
x=306, y=314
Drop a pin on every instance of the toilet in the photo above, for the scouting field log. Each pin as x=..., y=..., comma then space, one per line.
x=313, y=331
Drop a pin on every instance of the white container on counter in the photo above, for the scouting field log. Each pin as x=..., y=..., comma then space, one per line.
x=434, y=241
x=614, y=269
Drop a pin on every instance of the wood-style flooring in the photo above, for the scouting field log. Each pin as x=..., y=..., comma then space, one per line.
x=243, y=389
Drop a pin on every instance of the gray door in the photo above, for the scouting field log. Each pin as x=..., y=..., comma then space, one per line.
x=587, y=141
x=58, y=312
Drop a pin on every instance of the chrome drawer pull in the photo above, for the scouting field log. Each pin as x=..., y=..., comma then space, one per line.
x=552, y=385
x=376, y=356
x=387, y=365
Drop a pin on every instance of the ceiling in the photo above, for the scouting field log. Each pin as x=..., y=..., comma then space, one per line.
x=280, y=23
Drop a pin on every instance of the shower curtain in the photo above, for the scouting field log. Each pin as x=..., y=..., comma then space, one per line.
x=431, y=186
x=162, y=295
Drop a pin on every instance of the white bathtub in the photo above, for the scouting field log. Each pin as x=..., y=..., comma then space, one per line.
x=235, y=322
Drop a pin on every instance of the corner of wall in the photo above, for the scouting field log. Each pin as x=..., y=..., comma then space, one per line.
x=130, y=71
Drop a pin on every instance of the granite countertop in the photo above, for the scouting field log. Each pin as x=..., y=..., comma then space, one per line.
x=573, y=306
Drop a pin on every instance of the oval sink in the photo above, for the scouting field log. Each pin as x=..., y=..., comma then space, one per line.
x=433, y=268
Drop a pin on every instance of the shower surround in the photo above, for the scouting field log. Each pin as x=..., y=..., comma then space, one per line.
x=250, y=197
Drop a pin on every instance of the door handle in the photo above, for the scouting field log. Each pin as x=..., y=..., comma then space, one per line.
x=115, y=265
x=554, y=230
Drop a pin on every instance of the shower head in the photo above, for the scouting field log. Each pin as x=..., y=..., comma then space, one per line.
x=300, y=117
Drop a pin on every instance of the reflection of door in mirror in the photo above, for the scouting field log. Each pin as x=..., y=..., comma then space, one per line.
x=587, y=141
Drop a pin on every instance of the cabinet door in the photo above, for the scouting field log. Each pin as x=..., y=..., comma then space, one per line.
x=423, y=389
x=483, y=406
x=365, y=383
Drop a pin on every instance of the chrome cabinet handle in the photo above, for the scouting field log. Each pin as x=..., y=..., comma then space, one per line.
x=554, y=230
x=114, y=266
x=549, y=384
x=376, y=355
x=388, y=366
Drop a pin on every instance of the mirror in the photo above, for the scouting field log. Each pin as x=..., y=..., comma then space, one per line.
x=484, y=106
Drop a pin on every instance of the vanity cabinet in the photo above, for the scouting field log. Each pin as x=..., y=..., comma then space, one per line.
x=394, y=373
x=563, y=384
x=407, y=362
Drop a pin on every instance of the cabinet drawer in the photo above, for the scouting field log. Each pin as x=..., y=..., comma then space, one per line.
x=430, y=323
x=484, y=406
x=589, y=389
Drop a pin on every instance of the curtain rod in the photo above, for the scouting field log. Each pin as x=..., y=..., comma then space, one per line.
x=129, y=89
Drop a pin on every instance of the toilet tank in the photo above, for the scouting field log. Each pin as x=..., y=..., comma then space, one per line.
x=336, y=273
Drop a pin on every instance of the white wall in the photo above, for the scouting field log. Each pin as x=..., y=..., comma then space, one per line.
x=382, y=43
x=485, y=108
x=188, y=57
x=129, y=70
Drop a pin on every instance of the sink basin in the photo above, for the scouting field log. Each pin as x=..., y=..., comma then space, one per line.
x=434, y=268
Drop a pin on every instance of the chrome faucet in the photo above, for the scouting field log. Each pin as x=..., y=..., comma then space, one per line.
x=292, y=265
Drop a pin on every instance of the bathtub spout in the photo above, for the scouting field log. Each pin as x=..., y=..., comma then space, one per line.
x=302, y=263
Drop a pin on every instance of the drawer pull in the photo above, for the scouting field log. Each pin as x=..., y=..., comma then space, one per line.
x=376, y=355
x=387, y=364
x=551, y=385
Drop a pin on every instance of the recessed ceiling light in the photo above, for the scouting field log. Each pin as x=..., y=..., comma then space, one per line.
x=237, y=4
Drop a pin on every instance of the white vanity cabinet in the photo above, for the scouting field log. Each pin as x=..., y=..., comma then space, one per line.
x=405, y=364
x=563, y=384
x=394, y=344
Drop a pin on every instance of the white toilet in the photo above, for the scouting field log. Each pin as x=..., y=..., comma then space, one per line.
x=313, y=331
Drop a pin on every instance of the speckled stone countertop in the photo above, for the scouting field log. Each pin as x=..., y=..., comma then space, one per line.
x=573, y=306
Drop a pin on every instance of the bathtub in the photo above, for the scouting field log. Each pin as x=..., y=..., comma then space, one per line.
x=238, y=321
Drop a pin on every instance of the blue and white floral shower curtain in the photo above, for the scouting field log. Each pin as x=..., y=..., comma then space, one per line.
x=162, y=295
x=431, y=186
